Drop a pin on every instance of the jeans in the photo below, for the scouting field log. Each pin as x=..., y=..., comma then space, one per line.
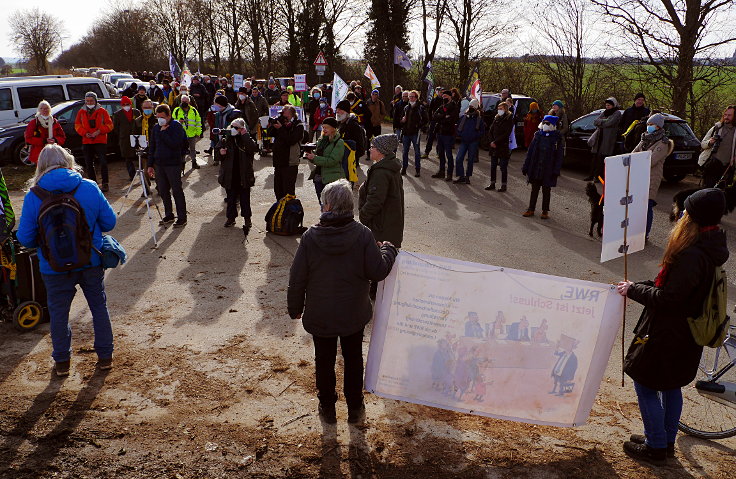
x=98, y=150
x=504, y=164
x=650, y=215
x=284, y=181
x=472, y=150
x=168, y=182
x=193, y=148
x=60, y=291
x=660, y=413
x=325, y=354
x=238, y=195
x=430, y=137
x=407, y=141
x=546, y=193
x=318, y=187
x=444, y=149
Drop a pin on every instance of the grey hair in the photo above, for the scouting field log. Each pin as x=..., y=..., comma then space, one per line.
x=237, y=123
x=52, y=157
x=339, y=196
x=42, y=103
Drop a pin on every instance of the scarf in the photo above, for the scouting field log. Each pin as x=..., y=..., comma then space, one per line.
x=330, y=218
x=649, y=139
x=144, y=124
x=45, y=123
x=128, y=114
x=609, y=112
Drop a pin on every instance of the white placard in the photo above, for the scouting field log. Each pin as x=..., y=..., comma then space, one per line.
x=491, y=341
x=300, y=82
x=614, y=210
x=237, y=81
x=275, y=110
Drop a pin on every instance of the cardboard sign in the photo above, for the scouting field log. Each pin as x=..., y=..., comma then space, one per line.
x=300, y=82
x=275, y=110
x=237, y=81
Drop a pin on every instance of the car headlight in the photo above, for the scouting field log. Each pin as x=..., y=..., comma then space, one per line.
x=3, y=139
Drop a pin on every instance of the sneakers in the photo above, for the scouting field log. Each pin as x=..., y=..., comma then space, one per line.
x=641, y=439
x=490, y=187
x=642, y=452
x=439, y=174
x=105, y=188
x=166, y=221
x=528, y=213
x=544, y=215
x=229, y=223
x=502, y=188
x=327, y=413
x=356, y=415
x=180, y=223
x=403, y=172
x=62, y=369
x=104, y=364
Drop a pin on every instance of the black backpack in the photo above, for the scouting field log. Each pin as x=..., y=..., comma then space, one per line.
x=285, y=217
x=64, y=235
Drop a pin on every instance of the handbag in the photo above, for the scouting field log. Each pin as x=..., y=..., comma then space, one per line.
x=112, y=252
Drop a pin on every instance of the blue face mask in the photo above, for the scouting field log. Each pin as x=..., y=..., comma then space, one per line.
x=651, y=129
x=316, y=96
x=147, y=112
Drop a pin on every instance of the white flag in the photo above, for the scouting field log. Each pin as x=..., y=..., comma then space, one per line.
x=339, y=89
x=372, y=76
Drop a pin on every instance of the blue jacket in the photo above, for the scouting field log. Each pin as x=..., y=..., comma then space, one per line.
x=544, y=158
x=167, y=147
x=98, y=212
x=470, y=128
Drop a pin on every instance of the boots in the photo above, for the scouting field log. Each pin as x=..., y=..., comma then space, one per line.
x=642, y=452
x=439, y=174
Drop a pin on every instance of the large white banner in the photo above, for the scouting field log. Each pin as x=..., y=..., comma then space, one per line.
x=625, y=204
x=491, y=341
x=339, y=89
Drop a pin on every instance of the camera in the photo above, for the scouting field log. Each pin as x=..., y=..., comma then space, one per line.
x=716, y=143
x=279, y=119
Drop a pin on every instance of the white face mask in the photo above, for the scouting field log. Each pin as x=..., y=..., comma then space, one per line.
x=341, y=116
x=412, y=103
x=44, y=117
x=242, y=97
x=126, y=108
x=162, y=121
x=234, y=132
x=548, y=128
x=91, y=107
x=500, y=112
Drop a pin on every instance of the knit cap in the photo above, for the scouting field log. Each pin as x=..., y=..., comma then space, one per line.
x=344, y=105
x=125, y=101
x=386, y=144
x=551, y=119
x=558, y=103
x=91, y=94
x=706, y=207
x=656, y=119
x=330, y=121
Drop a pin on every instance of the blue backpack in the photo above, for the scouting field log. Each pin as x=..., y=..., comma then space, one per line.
x=64, y=235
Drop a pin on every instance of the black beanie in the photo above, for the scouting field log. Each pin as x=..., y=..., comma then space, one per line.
x=330, y=121
x=343, y=105
x=639, y=95
x=242, y=89
x=221, y=100
x=706, y=207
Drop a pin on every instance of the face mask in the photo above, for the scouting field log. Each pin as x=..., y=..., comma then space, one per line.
x=341, y=117
x=216, y=108
x=91, y=107
x=185, y=104
x=412, y=103
x=651, y=129
x=548, y=127
x=241, y=97
x=500, y=112
x=162, y=121
x=323, y=105
x=316, y=96
x=147, y=112
x=126, y=108
x=44, y=117
x=184, y=92
x=234, y=132
x=206, y=81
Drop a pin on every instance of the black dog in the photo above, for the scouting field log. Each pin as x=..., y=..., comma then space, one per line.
x=596, y=208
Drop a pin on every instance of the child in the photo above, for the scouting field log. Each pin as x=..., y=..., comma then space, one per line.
x=543, y=164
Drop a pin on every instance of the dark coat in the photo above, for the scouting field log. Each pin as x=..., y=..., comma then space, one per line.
x=123, y=128
x=544, y=158
x=330, y=278
x=272, y=96
x=249, y=110
x=630, y=115
x=284, y=139
x=416, y=118
x=166, y=147
x=350, y=129
x=138, y=101
x=200, y=95
x=500, y=134
x=471, y=127
x=446, y=116
x=381, y=201
x=607, y=133
x=241, y=149
x=397, y=112
x=261, y=105
x=670, y=357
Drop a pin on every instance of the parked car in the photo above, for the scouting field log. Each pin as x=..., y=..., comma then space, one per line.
x=13, y=148
x=521, y=108
x=682, y=161
x=20, y=98
x=126, y=82
x=100, y=73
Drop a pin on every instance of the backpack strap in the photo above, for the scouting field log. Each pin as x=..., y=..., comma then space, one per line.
x=41, y=193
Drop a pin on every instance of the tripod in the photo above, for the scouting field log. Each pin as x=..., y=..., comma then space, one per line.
x=140, y=175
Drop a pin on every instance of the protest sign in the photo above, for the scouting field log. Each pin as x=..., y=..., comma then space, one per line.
x=300, y=82
x=237, y=81
x=491, y=341
x=275, y=110
x=626, y=201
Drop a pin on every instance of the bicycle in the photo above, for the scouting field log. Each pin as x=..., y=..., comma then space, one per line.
x=709, y=402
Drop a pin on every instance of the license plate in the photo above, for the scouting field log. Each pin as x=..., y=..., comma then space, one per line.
x=683, y=156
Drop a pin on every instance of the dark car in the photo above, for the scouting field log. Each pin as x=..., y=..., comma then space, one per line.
x=13, y=148
x=682, y=161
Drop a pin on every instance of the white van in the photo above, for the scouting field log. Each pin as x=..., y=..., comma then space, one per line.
x=19, y=98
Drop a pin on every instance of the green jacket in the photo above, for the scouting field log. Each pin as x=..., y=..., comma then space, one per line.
x=191, y=122
x=381, y=201
x=330, y=161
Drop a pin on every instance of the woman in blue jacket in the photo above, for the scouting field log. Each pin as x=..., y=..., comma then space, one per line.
x=57, y=171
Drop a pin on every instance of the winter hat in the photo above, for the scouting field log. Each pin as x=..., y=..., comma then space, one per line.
x=386, y=144
x=639, y=95
x=447, y=92
x=221, y=100
x=330, y=121
x=343, y=105
x=552, y=119
x=185, y=98
x=474, y=103
x=612, y=101
x=558, y=103
x=91, y=94
x=375, y=91
x=142, y=87
x=656, y=119
x=290, y=89
x=125, y=101
x=706, y=207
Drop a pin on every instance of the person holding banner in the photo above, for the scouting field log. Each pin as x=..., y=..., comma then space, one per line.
x=342, y=253
x=663, y=356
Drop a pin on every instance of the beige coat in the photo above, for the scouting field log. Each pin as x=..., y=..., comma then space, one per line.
x=660, y=151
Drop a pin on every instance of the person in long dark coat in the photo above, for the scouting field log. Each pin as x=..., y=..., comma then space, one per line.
x=236, y=172
x=543, y=163
x=123, y=125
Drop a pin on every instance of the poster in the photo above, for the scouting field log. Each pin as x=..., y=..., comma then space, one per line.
x=491, y=341
x=237, y=81
x=275, y=110
x=615, y=199
x=300, y=82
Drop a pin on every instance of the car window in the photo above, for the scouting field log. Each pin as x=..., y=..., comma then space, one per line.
x=679, y=130
x=78, y=90
x=111, y=107
x=31, y=96
x=584, y=124
x=6, y=99
x=522, y=107
x=70, y=114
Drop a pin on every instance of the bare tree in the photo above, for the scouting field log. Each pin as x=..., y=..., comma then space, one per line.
x=669, y=35
x=175, y=22
x=433, y=16
x=37, y=36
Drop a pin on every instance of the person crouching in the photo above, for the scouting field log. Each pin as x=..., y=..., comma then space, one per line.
x=236, y=172
x=340, y=252
x=543, y=164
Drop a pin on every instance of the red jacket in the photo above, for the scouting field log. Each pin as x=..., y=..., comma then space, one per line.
x=102, y=122
x=318, y=117
x=36, y=136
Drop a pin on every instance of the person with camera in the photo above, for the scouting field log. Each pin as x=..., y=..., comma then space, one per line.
x=287, y=133
x=123, y=125
x=719, y=149
x=236, y=171
x=93, y=123
x=327, y=157
x=165, y=160
x=189, y=117
x=225, y=113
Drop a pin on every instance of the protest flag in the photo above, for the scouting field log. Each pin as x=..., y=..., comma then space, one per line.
x=401, y=58
x=174, y=67
x=339, y=89
x=372, y=77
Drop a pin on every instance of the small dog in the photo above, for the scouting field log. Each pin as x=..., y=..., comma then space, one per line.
x=678, y=201
x=596, y=208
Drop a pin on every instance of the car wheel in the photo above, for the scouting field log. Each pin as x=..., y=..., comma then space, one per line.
x=21, y=153
x=674, y=178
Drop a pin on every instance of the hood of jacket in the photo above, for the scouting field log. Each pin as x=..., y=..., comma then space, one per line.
x=714, y=245
x=613, y=100
x=336, y=240
x=60, y=179
x=389, y=162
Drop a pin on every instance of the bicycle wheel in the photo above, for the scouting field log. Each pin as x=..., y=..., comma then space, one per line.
x=702, y=416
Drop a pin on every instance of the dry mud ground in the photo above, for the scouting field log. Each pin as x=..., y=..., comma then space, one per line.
x=212, y=379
